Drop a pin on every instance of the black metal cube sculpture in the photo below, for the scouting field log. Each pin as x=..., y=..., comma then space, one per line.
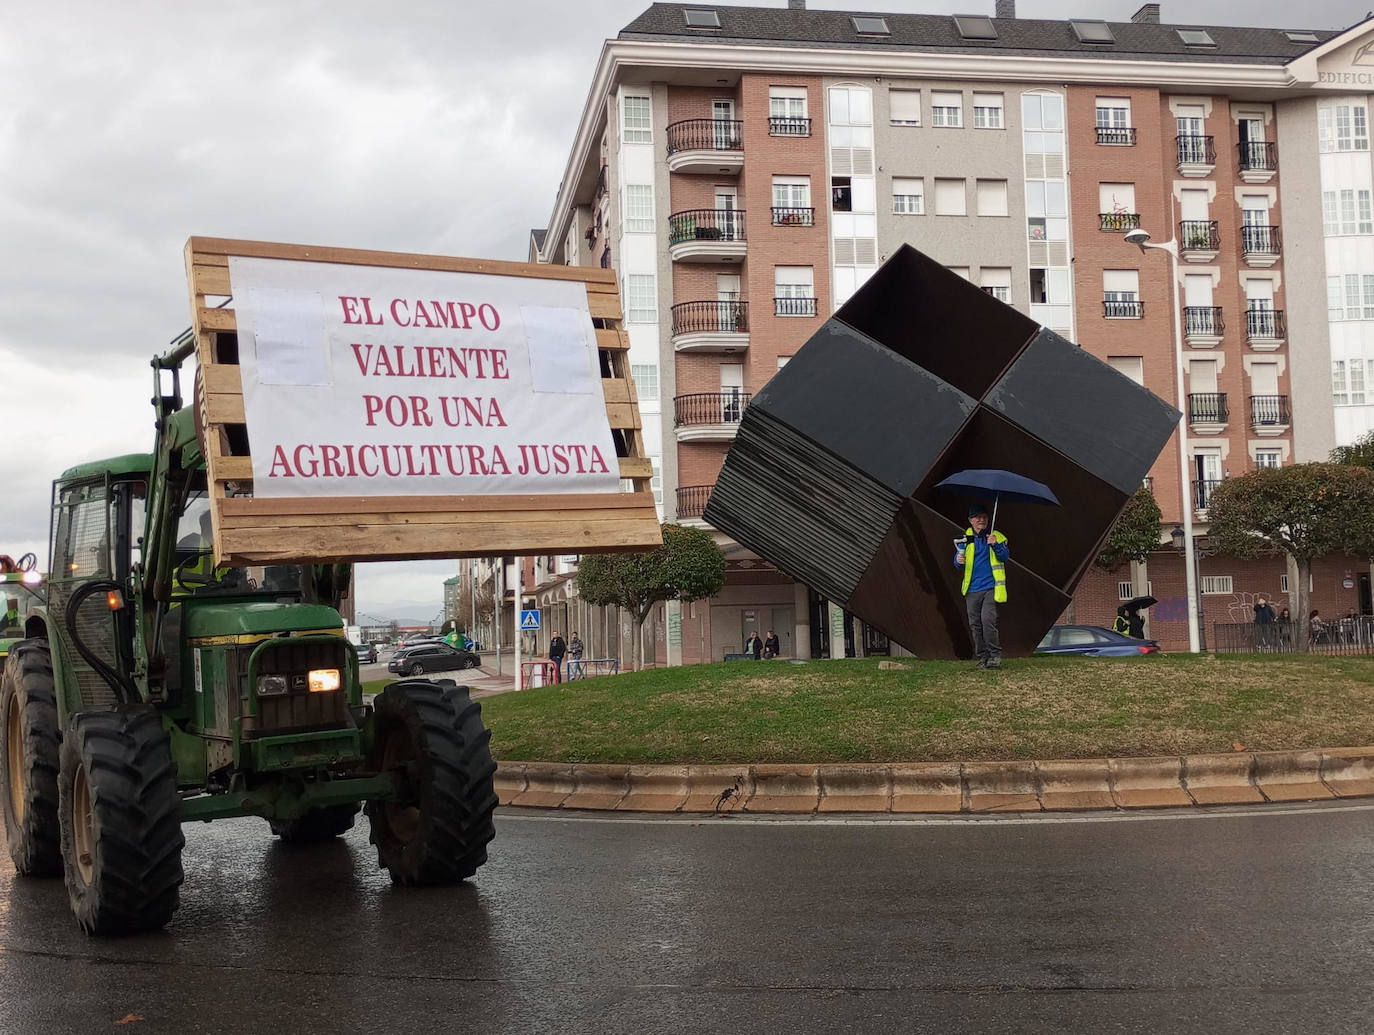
x=832, y=475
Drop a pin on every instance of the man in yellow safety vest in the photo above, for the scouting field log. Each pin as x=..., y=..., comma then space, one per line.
x=983, y=554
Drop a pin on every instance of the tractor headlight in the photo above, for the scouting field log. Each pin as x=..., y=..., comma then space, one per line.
x=270, y=686
x=323, y=680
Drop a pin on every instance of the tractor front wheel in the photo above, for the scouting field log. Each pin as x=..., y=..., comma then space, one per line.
x=316, y=825
x=432, y=736
x=29, y=760
x=121, y=823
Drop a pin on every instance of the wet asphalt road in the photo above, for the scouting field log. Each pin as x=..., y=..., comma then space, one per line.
x=1252, y=920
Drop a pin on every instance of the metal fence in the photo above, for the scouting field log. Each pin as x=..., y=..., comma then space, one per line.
x=1343, y=636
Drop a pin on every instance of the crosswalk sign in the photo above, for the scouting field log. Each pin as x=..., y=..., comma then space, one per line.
x=529, y=621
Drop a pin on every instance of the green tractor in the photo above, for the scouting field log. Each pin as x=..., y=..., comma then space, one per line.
x=156, y=688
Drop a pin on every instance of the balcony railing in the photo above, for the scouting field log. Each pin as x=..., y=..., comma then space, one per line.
x=709, y=408
x=1199, y=235
x=691, y=500
x=1203, y=321
x=711, y=318
x=788, y=126
x=1259, y=240
x=706, y=224
x=1265, y=323
x=1120, y=136
x=1118, y=221
x=1123, y=309
x=1207, y=408
x=1258, y=156
x=794, y=216
x=794, y=307
x=1267, y=411
x=705, y=135
x=1202, y=491
x=1196, y=150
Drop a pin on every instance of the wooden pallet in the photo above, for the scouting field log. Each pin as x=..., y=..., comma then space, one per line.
x=250, y=531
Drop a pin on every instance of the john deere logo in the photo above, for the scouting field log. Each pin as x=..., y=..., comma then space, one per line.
x=299, y=683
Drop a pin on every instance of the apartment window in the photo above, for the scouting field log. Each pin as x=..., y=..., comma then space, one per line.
x=905, y=107
x=794, y=293
x=656, y=479
x=987, y=111
x=638, y=126
x=1355, y=376
x=1121, y=294
x=1340, y=394
x=871, y=26
x=1271, y=458
x=959, y=271
x=1126, y=590
x=946, y=109
x=702, y=19
x=787, y=112
x=996, y=281
x=1347, y=212
x=1343, y=127
x=646, y=380
x=1042, y=117
x=950, y=198
x=1350, y=297
x=782, y=361
x=639, y=208
x=791, y=192
x=992, y=197
x=642, y=306
x=1046, y=210
x=1215, y=584
x=1113, y=113
x=908, y=196
x=1131, y=366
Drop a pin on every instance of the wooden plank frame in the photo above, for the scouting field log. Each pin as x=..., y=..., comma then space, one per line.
x=250, y=531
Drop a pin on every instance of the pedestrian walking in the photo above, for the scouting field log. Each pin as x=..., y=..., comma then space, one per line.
x=575, y=656
x=557, y=648
x=771, y=646
x=982, y=553
x=1136, y=623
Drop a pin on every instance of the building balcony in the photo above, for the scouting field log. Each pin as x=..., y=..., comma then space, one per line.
x=1116, y=136
x=706, y=235
x=691, y=504
x=1197, y=155
x=709, y=416
x=1260, y=245
x=1203, y=326
x=1265, y=329
x=1198, y=240
x=794, y=216
x=788, y=126
x=795, y=306
x=1258, y=160
x=1202, y=492
x=710, y=326
x=1118, y=222
x=1123, y=308
x=706, y=146
x=1207, y=412
x=1270, y=414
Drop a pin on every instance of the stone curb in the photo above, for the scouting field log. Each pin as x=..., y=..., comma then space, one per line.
x=945, y=787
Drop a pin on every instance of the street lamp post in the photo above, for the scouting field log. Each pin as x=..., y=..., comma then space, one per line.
x=1141, y=238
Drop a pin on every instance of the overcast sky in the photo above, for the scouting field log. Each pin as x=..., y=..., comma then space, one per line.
x=414, y=126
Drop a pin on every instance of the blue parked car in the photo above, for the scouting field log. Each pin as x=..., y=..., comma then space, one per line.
x=1093, y=641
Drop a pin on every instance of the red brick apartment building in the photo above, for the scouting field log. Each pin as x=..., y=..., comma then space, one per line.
x=745, y=169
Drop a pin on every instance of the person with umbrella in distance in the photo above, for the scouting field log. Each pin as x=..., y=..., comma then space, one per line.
x=983, y=558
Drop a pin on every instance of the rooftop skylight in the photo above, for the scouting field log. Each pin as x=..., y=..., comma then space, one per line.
x=975, y=27
x=1093, y=32
x=1196, y=38
x=702, y=19
x=871, y=26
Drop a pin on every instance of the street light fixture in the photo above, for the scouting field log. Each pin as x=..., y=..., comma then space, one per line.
x=1141, y=239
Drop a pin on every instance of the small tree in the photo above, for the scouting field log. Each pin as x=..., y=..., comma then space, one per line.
x=485, y=609
x=1135, y=533
x=1361, y=453
x=1305, y=511
x=688, y=566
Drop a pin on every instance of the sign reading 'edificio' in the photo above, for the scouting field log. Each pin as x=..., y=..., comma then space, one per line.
x=360, y=380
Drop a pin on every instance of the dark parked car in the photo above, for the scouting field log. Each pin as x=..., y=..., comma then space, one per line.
x=1094, y=642
x=431, y=657
x=367, y=654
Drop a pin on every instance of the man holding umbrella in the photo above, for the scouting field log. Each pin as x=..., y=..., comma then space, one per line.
x=983, y=557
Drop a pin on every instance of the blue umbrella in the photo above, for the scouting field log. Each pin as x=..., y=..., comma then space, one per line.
x=1000, y=485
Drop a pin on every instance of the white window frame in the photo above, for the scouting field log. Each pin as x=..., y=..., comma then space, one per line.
x=656, y=478
x=645, y=377
x=1126, y=590
x=908, y=195
x=990, y=113
x=946, y=115
x=963, y=195
x=792, y=102
x=909, y=98
x=1113, y=113
x=993, y=186
x=1283, y=581
x=639, y=208
x=641, y=298
x=631, y=131
x=1212, y=585
x=1277, y=455
x=797, y=282
x=796, y=192
x=996, y=281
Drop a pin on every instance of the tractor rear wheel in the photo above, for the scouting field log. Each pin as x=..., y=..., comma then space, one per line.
x=432, y=734
x=121, y=823
x=316, y=825
x=29, y=760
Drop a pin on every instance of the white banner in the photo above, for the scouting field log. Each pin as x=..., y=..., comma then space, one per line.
x=365, y=380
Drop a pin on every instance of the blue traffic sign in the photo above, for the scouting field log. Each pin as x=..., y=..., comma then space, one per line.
x=529, y=621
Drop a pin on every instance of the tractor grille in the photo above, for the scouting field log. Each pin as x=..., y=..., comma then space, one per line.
x=298, y=709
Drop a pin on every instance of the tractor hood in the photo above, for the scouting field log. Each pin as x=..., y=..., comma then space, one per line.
x=245, y=618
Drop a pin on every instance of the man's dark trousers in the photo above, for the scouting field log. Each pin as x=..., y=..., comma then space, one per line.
x=982, y=622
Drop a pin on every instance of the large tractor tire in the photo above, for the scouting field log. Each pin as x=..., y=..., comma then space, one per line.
x=121, y=823
x=434, y=736
x=29, y=747
x=316, y=825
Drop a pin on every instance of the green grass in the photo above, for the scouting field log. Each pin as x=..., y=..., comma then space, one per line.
x=849, y=711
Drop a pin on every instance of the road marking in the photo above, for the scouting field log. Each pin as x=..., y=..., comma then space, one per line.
x=918, y=820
